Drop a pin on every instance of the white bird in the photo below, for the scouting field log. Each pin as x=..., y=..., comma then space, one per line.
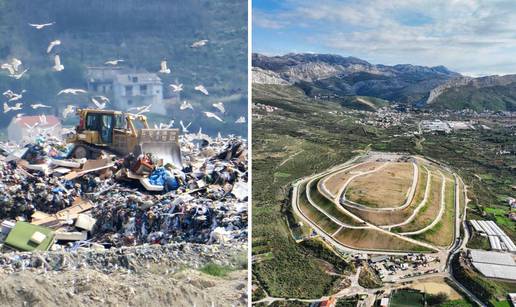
x=200, y=43
x=18, y=116
x=41, y=26
x=145, y=109
x=136, y=108
x=202, y=89
x=185, y=128
x=164, y=69
x=176, y=87
x=213, y=115
x=15, y=97
x=100, y=101
x=16, y=63
x=219, y=106
x=57, y=63
x=113, y=62
x=53, y=44
x=9, y=94
x=8, y=67
x=68, y=110
x=43, y=119
x=185, y=105
x=166, y=126
x=240, y=120
x=17, y=106
x=73, y=91
x=18, y=76
x=39, y=105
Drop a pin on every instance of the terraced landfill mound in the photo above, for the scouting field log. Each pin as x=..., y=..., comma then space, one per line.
x=382, y=203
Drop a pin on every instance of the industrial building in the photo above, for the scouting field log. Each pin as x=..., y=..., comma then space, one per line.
x=494, y=264
x=498, y=239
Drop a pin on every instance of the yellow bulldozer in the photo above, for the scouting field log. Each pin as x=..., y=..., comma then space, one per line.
x=122, y=133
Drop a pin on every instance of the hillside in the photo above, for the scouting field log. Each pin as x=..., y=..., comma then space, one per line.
x=140, y=32
x=322, y=74
x=491, y=92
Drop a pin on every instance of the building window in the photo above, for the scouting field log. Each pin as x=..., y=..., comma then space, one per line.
x=143, y=90
x=135, y=79
x=129, y=102
x=128, y=90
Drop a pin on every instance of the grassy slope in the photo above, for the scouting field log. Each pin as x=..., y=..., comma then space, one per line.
x=493, y=98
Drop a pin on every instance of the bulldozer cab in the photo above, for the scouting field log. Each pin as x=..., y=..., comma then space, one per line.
x=105, y=124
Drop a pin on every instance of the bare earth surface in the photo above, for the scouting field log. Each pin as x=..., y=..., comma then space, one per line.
x=88, y=287
x=388, y=187
x=436, y=285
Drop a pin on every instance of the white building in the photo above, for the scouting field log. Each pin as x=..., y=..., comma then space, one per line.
x=26, y=128
x=138, y=89
x=128, y=88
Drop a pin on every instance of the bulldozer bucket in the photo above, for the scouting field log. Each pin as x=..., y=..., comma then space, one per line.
x=162, y=144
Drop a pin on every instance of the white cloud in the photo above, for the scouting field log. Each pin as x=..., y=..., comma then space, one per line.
x=465, y=35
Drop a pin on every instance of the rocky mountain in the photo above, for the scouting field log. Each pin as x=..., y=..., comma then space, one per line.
x=322, y=74
x=490, y=92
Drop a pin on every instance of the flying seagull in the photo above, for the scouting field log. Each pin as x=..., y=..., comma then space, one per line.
x=41, y=26
x=17, y=106
x=164, y=69
x=202, y=89
x=53, y=44
x=176, y=87
x=240, y=120
x=198, y=44
x=8, y=67
x=138, y=109
x=39, y=105
x=145, y=109
x=113, y=62
x=18, y=76
x=219, y=106
x=185, y=128
x=100, y=101
x=16, y=64
x=43, y=119
x=185, y=105
x=68, y=110
x=57, y=63
x=73, y=91
x=15, y=97
x=213, y=115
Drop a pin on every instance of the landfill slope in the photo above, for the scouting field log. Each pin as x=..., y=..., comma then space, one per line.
x=92, y=288
x=167, y=275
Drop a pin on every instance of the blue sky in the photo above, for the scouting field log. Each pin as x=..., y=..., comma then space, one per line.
x=473, y=37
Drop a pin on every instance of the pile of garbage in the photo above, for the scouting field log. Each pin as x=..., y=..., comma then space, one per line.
x=50, y=202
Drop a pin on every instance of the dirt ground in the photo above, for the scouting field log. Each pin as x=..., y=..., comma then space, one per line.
x=152, y=287
x=387, y=187
x=395, y=217
x=335, y=181
x=436, y=285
